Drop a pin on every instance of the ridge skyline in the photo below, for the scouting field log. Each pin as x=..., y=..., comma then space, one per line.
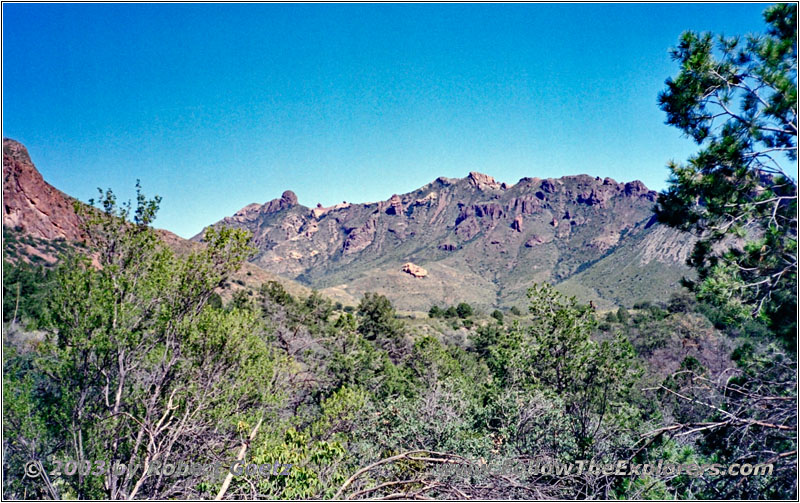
x=127, y=193
x=219, y=105
x=445, y=178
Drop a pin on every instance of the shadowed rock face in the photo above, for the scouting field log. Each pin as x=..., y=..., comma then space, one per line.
x=395, y=206
x=517, y=223
x=30, y=203
x=472, y=230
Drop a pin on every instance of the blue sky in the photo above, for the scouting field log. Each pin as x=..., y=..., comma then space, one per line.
x=218, y=106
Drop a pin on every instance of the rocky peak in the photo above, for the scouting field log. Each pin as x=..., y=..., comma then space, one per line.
x=251, y=212
x=481, y=181
x=15, y=151
x=247, y=210
x=32, y=204
x=444, y=181
x=635, y=188
x=287, y=200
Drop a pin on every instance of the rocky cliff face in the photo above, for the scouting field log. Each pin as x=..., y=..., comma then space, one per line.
x=30, y=204
x=469, y=234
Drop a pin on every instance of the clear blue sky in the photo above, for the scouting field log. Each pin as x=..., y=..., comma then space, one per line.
x=217, y=106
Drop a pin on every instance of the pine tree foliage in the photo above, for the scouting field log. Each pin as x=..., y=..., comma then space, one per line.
x=737, y=98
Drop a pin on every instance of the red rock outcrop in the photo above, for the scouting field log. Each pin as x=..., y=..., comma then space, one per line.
x=414, y=270
x=395, y=206
x=527, y=205
x=32, y=204
x=481, y=181
x=492, y=211
x=287, y=200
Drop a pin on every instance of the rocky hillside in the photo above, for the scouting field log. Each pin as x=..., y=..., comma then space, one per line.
x=39, y=223
x=30, y=204
x=476, y=240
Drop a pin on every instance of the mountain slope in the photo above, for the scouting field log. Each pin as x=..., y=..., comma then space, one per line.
x=480, y=241
x=648, y=266
x=32, y=205
x=40, y=222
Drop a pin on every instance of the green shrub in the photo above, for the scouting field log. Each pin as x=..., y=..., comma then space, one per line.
x=464, y=310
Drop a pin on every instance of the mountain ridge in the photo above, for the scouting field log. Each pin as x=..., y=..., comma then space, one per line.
x=469, y=239
x=499, y=238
